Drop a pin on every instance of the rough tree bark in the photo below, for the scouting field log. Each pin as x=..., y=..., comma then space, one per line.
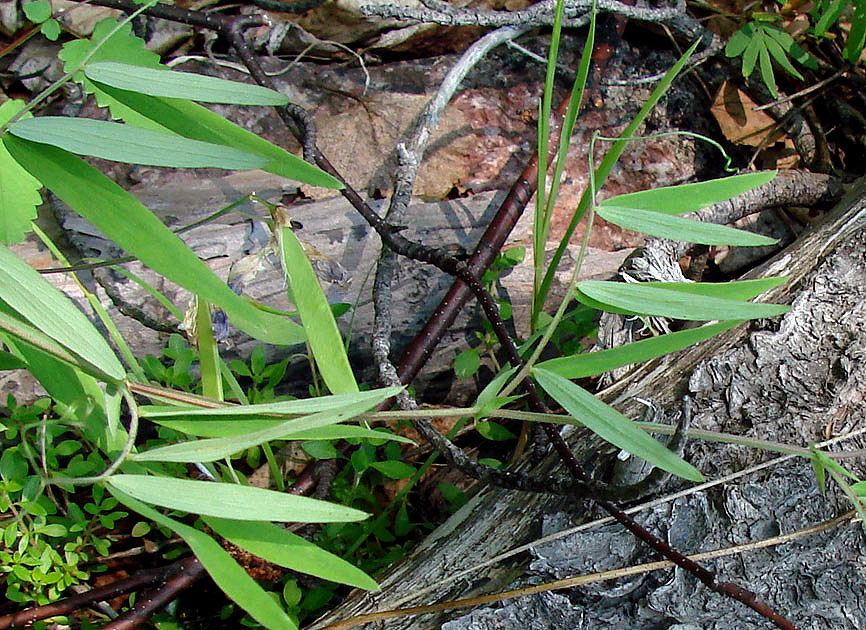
x=796, y=380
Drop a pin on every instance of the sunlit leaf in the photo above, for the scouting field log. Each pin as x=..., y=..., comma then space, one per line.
x=657, y=302
x=35, y=299
x=205, y=427
x=195, y=87
x=766, y=66
x=750, y=55
x=611, y=425
x=677, y=228
x=739, y=40
x=283, y=548
x=323, y=336
x=593, y=363
x=282, y=407
x=225, y=572
x=38, y=11
x=226, y=500
x=781, y=57
x=19, y=190
x=133, y=145
x=192, y=120
x=209, y=450
x=691, y=197
x=124, y=220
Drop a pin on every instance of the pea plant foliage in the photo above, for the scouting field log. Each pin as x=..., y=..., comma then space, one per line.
x=98, y=395
x=157, y=120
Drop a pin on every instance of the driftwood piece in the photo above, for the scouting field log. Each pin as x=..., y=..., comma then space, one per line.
x=784, y=380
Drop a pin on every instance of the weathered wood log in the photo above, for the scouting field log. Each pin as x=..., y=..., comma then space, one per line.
x=793, y=380
x=344, y=250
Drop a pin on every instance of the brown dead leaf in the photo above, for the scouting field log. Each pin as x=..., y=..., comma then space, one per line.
x=741, y=124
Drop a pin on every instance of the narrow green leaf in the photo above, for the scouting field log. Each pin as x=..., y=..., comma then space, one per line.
x=283, y=548
x=750, y=55
x=691, y=197
x=488, y=398
x=213, y=449
x=612, y=426
x=829, y=16
x=739, y=40
x=195, y=121
x=735, y=290
x=323, y=336
x=781, y=57
x=283, y=407
x=680, y=229
x=186, y=85
x=239, y=426
x=767, y=73
x=608, y=161
x=25, y=290
x=208, y=352
x=133, y=145
x=226, y=573
x=593, y=363
x=124, y=220
x=653, y=301
x=857, y=34
x=19, y=190
x=244, y=503
x=9, y=361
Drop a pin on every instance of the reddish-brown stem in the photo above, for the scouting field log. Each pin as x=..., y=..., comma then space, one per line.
x=134, y=582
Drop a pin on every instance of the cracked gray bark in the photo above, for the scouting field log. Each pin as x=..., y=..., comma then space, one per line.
x=783, y=380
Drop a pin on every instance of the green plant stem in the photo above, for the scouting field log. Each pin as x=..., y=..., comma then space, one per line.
x=119, y=460
x=97, y=307
x=28, y=334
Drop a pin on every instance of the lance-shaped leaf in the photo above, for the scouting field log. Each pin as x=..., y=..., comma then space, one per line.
x=239, y=426
x=192, y=120
x=195, y=87
x=280, y=408
x=657, y=302
x=324, y=337
x=133, y=145
x=226, y=573
x=19, y=190
x=691, y=197
x=593, y=363
x=612, y=426
x=210, y=450
x=280, y=546
x=679, y=229
x=51, y=312
x=124, y=220
x=227, y=500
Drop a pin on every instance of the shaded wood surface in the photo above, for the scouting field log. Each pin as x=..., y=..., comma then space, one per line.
x=784, y=380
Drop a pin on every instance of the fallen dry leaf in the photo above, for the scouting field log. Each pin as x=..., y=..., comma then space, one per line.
x=741, y=124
